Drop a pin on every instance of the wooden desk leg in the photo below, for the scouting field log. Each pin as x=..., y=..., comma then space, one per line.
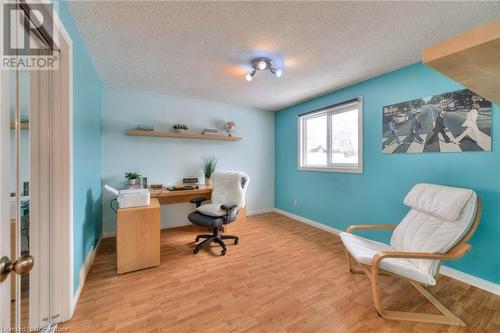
x=138, y=238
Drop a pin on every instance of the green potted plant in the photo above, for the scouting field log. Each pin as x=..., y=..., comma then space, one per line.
x=132, y=177
x=180, y=128
x=208, y=165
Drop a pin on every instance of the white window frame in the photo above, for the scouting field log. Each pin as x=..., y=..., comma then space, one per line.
x=333, y=109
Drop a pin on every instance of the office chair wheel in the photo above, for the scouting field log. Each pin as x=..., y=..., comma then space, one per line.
x=236, y=241
x=223, y=252
x=195, y=251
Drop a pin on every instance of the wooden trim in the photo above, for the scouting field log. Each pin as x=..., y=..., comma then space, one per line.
x=469, y=39
x=370, y=227
x=470, y=59
x=477, y=219
x=187, y=135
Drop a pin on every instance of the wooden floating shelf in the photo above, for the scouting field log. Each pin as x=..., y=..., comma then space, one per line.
x=472, y=59
x=164, y=134
x=24, y=125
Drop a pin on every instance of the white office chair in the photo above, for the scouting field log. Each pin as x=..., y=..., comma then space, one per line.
x=228, y=196
x=437, y=227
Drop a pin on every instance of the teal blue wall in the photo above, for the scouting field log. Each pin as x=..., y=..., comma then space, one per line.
x=87, y=148
x=375, y=197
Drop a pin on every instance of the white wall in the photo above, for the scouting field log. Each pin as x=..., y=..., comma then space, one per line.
x=167, y=160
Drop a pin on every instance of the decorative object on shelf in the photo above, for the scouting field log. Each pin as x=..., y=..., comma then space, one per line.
x=263, y=64
x=24, y=124
x=180, y=128
x=143, y=181
x=142, y=127
x=192, y=180
x=210, y=131
x=208, y=165
x=455, y=121
x=229, y=127
x=132, y=177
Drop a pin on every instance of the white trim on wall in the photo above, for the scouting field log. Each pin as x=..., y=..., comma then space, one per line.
x=471, y=279
x=448, y=271
x=84, y=272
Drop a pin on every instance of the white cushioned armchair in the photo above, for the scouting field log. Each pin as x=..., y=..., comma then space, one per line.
x=436, y=228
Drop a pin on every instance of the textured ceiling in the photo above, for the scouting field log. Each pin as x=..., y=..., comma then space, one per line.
x=195, y=49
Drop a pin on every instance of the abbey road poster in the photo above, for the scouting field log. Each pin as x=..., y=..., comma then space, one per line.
x=452, y=122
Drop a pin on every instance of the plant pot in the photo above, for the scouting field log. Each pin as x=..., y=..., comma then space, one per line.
x=180, y=130
x=132, y=181
x=208, y=181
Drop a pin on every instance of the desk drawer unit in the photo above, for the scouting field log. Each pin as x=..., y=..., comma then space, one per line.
x=138, y=237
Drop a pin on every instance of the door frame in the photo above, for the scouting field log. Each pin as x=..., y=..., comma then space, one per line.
x=61, y=185
x=4, y=188
x=62, y=177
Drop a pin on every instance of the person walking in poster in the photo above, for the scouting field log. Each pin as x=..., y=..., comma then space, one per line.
x=415, y=128
x=472, y=131
x=439, y=127
x=393, y=135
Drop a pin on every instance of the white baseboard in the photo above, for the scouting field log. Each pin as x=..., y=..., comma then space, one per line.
x=260, y=211
x=450, y=272
x=108, y=234
x=84, y=271
x=308, y=221
x=471, y=279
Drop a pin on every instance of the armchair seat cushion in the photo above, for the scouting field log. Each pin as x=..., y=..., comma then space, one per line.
x=212, y=209
x=205, y=221
x=363, y=250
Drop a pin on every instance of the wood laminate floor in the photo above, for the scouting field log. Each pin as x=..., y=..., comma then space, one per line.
x=284, y=276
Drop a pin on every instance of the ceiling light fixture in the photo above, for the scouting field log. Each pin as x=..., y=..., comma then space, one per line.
x=262, y=64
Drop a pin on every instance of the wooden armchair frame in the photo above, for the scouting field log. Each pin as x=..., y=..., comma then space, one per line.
x=373, y=271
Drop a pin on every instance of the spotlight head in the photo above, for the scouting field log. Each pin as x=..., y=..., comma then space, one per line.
x=261, y=64
x=250, y=75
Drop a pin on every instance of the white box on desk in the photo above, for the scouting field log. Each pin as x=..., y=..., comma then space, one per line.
x=131, y=198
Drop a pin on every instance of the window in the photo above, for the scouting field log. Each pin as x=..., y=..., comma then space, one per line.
x=330, y=139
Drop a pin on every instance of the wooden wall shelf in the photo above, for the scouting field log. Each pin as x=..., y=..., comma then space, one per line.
x=472, y=59
x=24, y=125
x=164, y=134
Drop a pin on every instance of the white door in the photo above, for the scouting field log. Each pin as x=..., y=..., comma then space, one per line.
x=25, y=216
x=15, y=258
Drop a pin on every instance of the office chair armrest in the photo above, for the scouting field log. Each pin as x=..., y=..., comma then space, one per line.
x=370, y=227
x=228, y=207
x=198, y=201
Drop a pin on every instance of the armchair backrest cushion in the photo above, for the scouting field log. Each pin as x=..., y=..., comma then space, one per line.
x=229, y=187
x=440, y=201
x=427, y=226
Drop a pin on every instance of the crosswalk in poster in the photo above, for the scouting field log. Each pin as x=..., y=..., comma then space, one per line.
x=457, y=121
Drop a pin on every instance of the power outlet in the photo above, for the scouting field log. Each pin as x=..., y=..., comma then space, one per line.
x=295, y=202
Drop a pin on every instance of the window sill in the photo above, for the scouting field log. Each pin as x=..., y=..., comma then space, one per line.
x=335, y=170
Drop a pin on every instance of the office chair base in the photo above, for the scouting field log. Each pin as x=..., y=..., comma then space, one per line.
x=215, y=237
